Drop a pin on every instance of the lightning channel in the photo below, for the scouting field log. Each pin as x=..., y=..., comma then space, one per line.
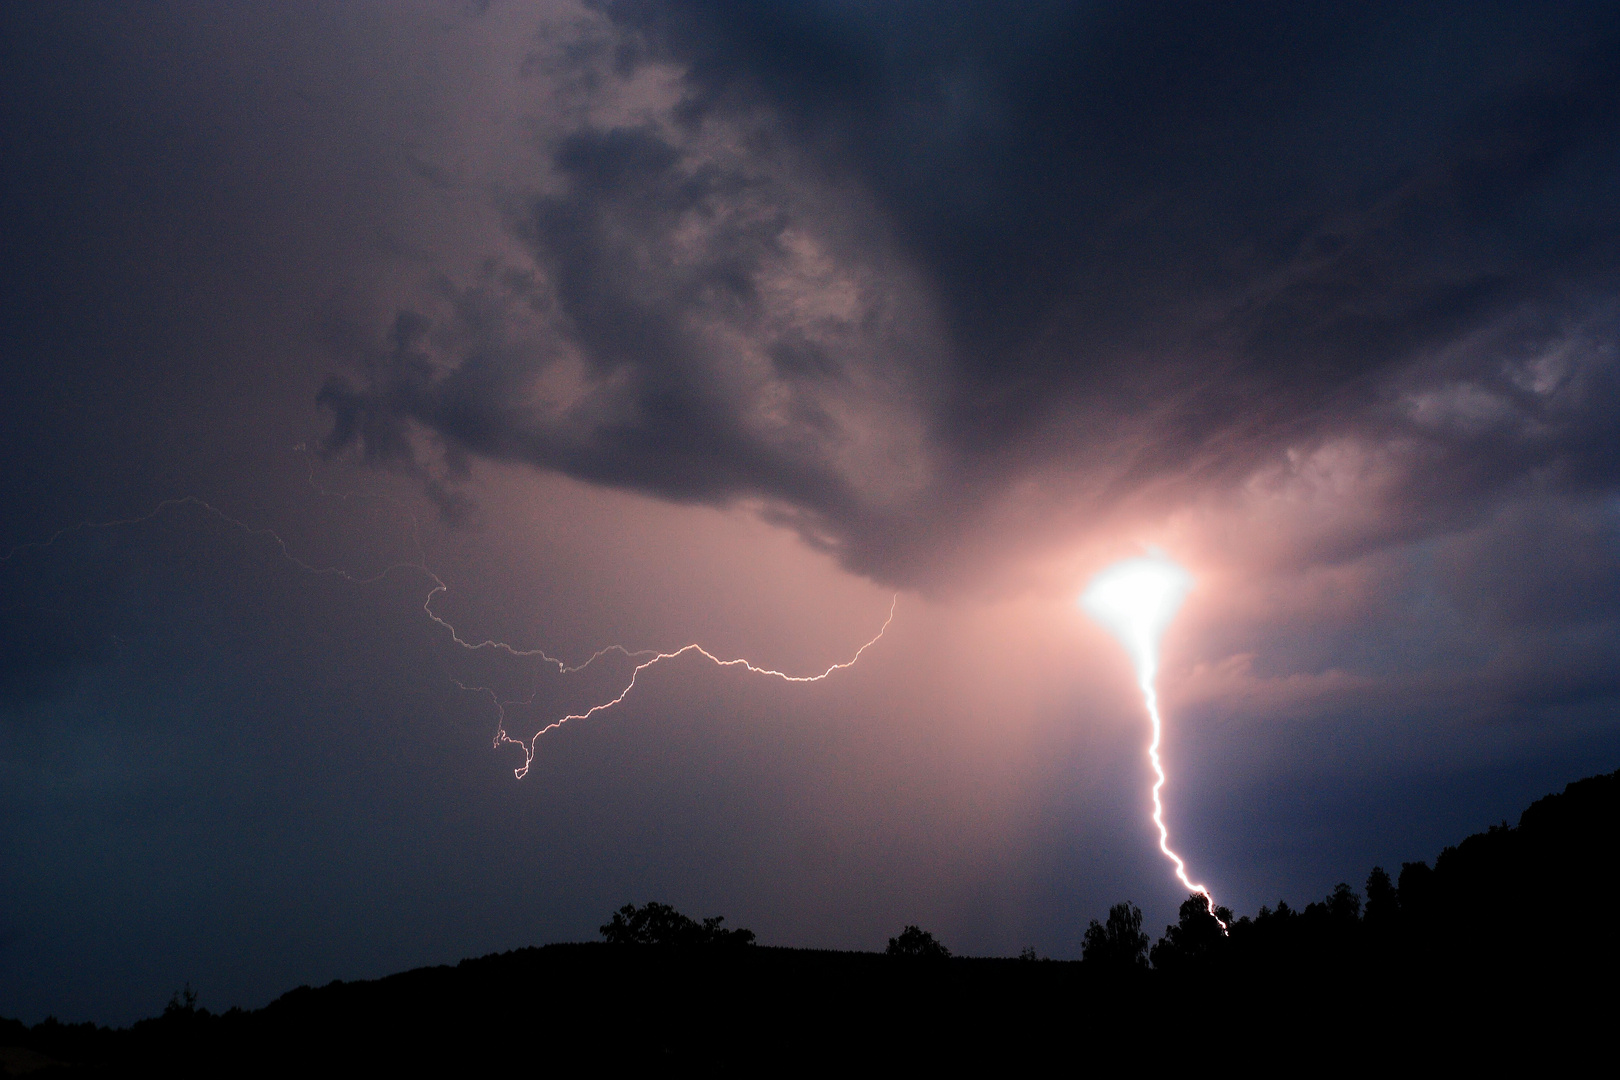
x=1150, y=698
x=1135, y=600
x=501, y=736
x=438, y=587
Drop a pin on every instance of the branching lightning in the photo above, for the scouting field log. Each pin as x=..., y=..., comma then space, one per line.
x=1135, y=601
x=437, y=586
x=655, y=658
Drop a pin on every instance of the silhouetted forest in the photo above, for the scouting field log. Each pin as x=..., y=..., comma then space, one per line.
x=1538, y=896
x=1504, y=952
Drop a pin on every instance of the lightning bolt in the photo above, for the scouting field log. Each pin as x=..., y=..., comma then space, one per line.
x=439, y=587
x=501, y=737
x=1135, y=600
x=1150, y=697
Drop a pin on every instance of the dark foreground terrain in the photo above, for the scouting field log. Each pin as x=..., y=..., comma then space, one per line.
x=1503, y=953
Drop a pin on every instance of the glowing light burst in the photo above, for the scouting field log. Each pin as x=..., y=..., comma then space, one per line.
x=1135, y=601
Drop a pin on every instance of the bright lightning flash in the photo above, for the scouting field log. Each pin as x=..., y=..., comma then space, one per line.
x=1135, y=601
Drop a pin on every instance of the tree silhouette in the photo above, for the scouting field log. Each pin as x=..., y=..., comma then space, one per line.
x=182, y=1003
x=661, y=924
x=1195, y=938
x=1120, y=944
x=1417, y=891
x=917, y=944
x=1383, y=901
x=1343, y=905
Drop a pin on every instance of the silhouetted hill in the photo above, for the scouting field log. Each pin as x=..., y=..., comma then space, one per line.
x=1506, y=947
x=604, y=1007
x=1544, y=891
x=1507, y=905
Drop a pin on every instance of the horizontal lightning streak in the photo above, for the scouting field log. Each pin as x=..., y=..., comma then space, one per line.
x=528, y=745
x=438, y=587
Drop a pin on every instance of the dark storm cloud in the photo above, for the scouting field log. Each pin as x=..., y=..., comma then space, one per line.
x=626, y=197
x=1147, y=245
x=1322, y=298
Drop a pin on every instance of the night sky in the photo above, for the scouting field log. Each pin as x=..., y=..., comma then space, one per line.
x=726, y=322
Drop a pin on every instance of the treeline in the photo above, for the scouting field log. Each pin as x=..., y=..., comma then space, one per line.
x=1429, y=953
x=1536, y=896
x=661, y=924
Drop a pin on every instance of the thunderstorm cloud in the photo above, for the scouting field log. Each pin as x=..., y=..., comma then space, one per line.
x=725, y=321
x=888, y=274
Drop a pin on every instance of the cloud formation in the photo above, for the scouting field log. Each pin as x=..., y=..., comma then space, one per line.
x=974, y=297
x=888, y=275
